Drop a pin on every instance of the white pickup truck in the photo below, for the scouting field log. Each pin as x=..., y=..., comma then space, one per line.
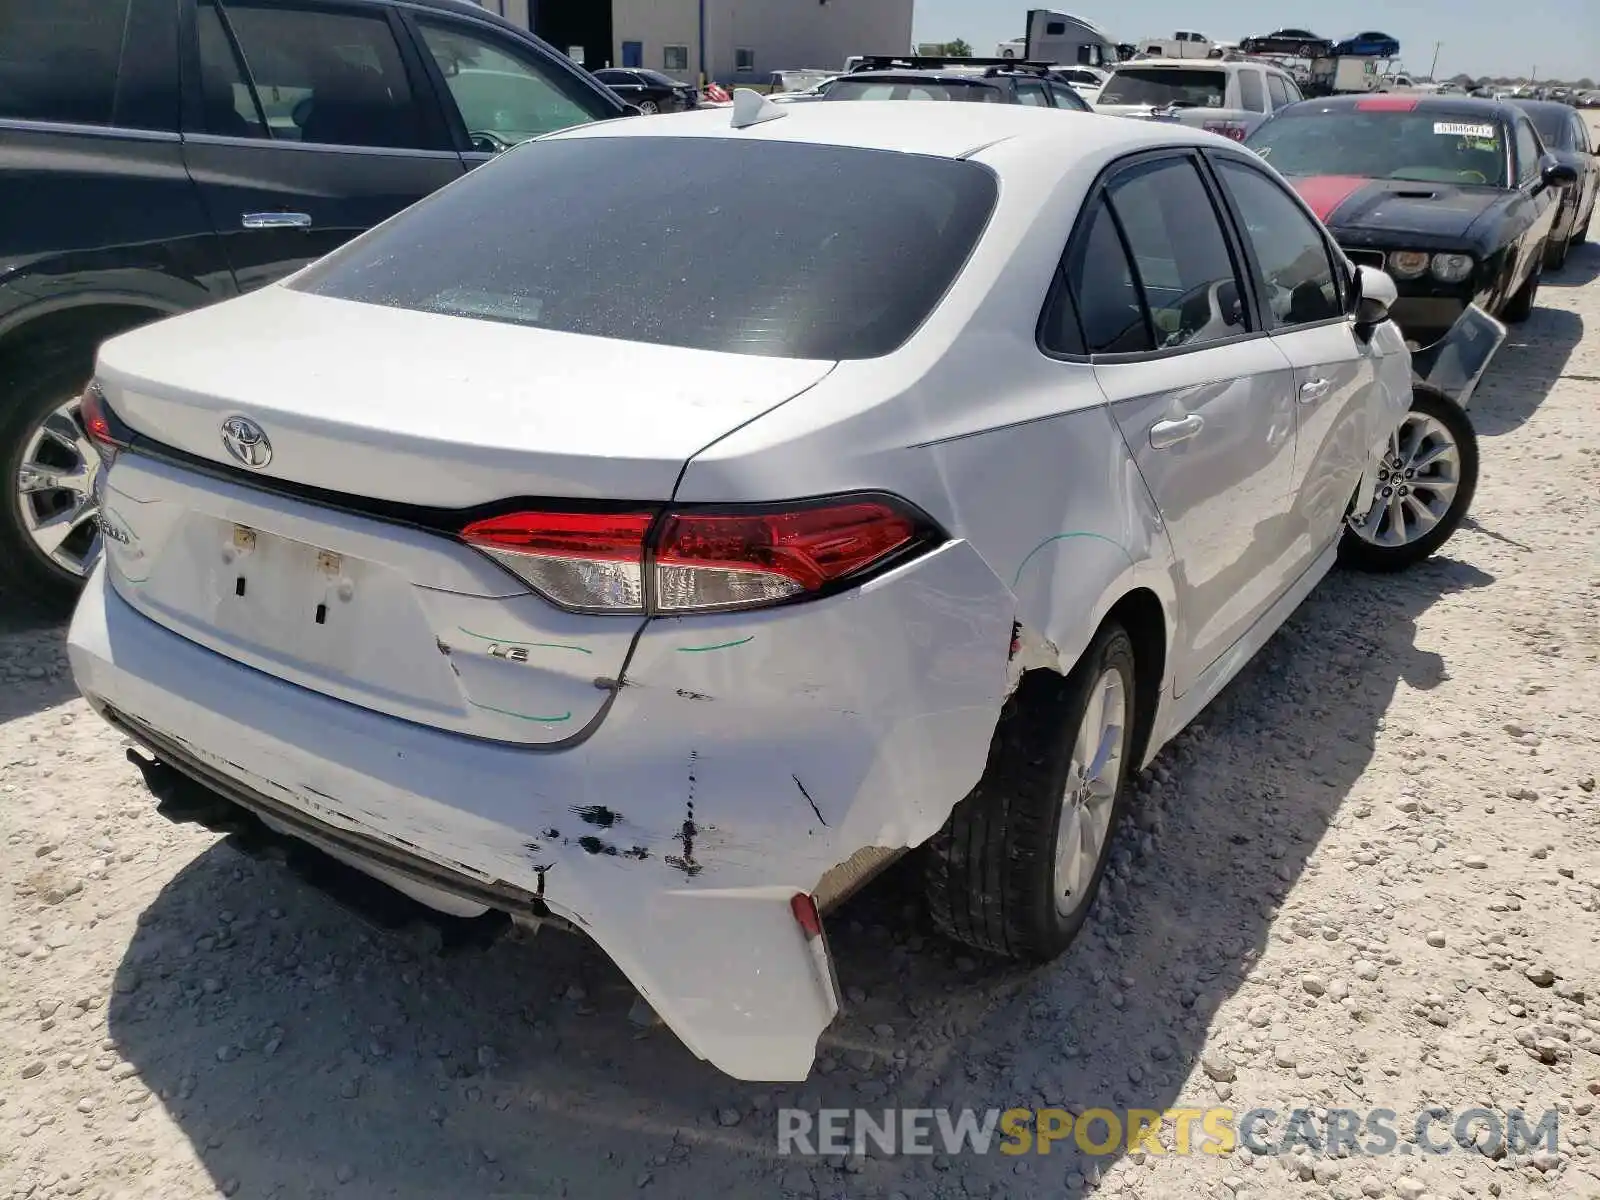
x=1182, y=44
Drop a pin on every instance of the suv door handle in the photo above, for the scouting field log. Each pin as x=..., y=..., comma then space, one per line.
x=276, y=220
x=1314, y=391
x=1170, y=433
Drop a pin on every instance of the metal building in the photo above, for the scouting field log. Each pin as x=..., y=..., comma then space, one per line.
x=732, y=41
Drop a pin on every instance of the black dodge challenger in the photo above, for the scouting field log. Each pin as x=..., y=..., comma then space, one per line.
x=1455, y=198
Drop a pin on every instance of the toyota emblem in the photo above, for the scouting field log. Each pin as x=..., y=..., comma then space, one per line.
x=246, y=442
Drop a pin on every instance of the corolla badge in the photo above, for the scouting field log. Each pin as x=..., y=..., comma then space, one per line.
x=246, y=442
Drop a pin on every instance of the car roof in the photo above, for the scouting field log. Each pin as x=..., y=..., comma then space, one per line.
x=1549, y=107
x=1201, y=64
x=938, y=74
x=941, y=130
x=1444, y=105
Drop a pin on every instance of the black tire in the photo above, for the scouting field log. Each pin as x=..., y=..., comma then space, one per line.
x=1362, y=555
x=990, y=872
x=649, y=108
x=1555, y=254
x=1520, y=307
x=31, y=389
x=1582, y=235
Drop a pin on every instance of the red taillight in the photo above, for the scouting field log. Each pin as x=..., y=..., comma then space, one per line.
x=586, y=561
x=92, y=412
x=728, y=560
x=806, y=916
x=700, y=561
x=1228, y=129
x=1386, y=103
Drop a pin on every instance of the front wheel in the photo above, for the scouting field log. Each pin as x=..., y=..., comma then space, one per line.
x=1520, y=307
x=1015, y=869
x=649, y=107
x=1425, y=487
x=1555, y=254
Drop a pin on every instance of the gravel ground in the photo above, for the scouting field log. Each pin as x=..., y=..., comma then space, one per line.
x=1368, y=877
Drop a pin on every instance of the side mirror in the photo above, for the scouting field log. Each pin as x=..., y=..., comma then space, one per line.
x=1375, y=294
x=1556, y=173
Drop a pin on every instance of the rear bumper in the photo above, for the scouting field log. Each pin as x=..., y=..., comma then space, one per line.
x=718, y=788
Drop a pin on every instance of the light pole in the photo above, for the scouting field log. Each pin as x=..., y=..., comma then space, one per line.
x=702, y=44
x=1433, y=70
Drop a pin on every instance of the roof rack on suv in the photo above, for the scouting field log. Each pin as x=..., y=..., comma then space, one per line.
x=920, y=62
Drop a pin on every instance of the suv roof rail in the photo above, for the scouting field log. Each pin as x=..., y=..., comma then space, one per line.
x=922, y=62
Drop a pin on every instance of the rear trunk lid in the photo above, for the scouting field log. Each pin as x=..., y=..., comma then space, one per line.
x=384, y=608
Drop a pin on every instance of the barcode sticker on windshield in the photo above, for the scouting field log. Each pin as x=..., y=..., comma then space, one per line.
x=1451, y=129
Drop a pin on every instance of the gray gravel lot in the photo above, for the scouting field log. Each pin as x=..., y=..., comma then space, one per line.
x=1369, y=877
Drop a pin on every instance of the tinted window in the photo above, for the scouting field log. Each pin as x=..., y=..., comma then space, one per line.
x=1185, y=271
x=1065, y=97
x=1580, y=135
x=502, y=99
x=888, y=89
x=1032, y=92
x=1528, y=152
x=747, y=246
x=1293, y=89
x=59, y=59
x=1290, y=250
x=230, y=103
x=1102, y=287
x=1429, y=147
x=1276, y=91
x=1165, y=85
x=1551, y=124
x=328, y=77
x=1250, y=93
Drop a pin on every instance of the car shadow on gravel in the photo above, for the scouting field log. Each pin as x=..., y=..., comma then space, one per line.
x=1581, y=268
x=305, y=1052
x=33, y=663
x=1530, y=361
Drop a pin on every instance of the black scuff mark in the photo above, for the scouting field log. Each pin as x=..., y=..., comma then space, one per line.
x=1016, y=640
x=596, y=814
x=688, y=695
x=533, y=847
x=593, y=845
x=540, y=872
x=552, y=833
x=809, y=800
x=443, y=649
x=637, y=853
x=686, y=834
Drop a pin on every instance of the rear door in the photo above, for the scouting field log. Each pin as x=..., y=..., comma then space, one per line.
x=1202, y=396
x=1589, y=182
x=1339, y=396
x=306, y=124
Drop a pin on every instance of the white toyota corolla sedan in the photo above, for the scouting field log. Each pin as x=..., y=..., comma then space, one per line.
x=675, y=520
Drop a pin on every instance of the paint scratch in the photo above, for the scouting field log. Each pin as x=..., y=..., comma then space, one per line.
x=1062, y=537
x=809, y=800
x=596, y=814
x=566, y=716
x=483, y=637
x=718, y=646
x=688, y=695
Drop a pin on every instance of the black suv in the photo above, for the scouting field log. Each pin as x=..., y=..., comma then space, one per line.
x=984, y=80
x=158, y=155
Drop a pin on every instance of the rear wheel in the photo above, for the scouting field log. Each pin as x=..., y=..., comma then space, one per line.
x=649, y=107
x=1015, y=869
x=1520, y=307
x=1425, y=487
x=49, y=526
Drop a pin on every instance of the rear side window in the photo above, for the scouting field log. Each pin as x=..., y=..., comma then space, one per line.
x=1162, y=86
x=1528, y=152
x=60, y=60
x=1185, y=270
x=1065, y=97
x=1250, y=93
x=1102, y=287
x=324, y=76
x=772, y=248
x=1032, y=92
x=1278, y=94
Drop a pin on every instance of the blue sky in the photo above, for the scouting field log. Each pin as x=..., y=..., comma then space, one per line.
x=1481, y=37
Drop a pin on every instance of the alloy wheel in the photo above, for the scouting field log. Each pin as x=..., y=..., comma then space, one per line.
x=1089, y=799
x=1417, y=483
x=55, y=491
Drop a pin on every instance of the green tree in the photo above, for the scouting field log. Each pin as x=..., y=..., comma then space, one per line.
x=960, y=48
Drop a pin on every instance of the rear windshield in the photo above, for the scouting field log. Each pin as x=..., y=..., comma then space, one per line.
x=780, y=249
x=1426, y=146
x=1162, y=86
x=921, y=89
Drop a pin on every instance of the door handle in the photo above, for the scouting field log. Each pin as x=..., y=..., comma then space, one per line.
x=1170, y=433
x=1311, y=392
x=276, y=220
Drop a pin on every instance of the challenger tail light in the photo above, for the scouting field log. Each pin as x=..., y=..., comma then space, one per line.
x=1228, y=129
x=691, y=560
